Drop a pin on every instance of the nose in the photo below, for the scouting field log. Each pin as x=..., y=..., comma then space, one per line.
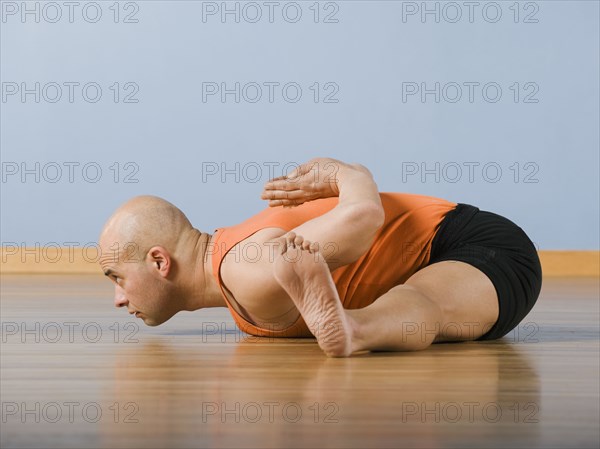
x=120, y=300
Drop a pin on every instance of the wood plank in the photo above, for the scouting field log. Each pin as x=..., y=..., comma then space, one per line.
x=196, y=382
x=57, y=260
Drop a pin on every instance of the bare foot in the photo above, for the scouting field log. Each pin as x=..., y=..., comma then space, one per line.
x=303, y=273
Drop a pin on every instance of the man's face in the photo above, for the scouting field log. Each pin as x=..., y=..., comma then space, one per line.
x=140, y=290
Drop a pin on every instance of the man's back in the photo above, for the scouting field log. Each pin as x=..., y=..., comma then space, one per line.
x=242, y=258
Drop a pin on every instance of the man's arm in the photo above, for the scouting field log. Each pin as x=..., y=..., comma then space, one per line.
x=347, y=231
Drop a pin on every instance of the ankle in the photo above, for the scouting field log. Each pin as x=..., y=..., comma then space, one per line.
x=357, y=334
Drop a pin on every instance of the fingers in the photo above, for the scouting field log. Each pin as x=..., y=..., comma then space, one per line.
x=283, y=195
x=289, y=181
x=284, y=203
x=281, y=183
x=282, y=192
x=300, y=170
x=293, y=189
x=287, y=198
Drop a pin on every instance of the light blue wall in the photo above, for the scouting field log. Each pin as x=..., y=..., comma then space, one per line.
x=372, y=55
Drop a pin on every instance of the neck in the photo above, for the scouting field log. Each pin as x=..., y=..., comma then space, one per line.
x=201, y=288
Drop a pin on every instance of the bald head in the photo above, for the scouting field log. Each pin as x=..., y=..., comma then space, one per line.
x=144, y=222
x=155, y=258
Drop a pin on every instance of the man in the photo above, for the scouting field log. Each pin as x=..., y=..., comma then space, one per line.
x=330, y=257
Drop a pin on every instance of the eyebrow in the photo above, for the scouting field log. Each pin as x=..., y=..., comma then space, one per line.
x=109, y=272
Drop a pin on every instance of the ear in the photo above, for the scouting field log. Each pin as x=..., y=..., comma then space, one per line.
x=160, y=260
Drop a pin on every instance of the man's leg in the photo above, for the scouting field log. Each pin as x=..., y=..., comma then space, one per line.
x=446, y=301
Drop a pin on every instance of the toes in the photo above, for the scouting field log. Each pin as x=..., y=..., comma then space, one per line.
x=298, y=241
x=293, y=240
x=289, y=238
x=311, y=247
x=282, y=244
x=292, y=255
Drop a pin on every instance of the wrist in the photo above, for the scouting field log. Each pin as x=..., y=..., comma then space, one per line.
x=354, y=172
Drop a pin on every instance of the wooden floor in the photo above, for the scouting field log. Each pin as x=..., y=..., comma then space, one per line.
x=96, y=378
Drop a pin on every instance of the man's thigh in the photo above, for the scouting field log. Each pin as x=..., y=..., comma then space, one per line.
x=465, y=295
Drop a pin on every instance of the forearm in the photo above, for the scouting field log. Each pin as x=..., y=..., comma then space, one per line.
x=352, y=224
x=357, y=189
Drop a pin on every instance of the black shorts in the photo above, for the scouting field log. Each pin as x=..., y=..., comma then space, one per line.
x=500, y=249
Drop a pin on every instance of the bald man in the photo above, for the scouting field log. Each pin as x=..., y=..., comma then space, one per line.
x=331, y=257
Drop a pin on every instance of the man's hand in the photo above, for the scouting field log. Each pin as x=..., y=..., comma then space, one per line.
x=317, y=178
x=351, y=225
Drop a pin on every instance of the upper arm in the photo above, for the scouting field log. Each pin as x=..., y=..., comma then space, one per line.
x=344, y=233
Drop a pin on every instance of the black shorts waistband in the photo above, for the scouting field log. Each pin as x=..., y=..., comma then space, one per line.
x=452, y=224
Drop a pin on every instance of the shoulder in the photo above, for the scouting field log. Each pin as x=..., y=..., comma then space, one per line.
x=247, y=272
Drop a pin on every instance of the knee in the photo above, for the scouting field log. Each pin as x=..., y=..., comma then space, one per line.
x=424, y=324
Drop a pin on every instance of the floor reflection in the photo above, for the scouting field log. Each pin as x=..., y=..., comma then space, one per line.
x=210, y=392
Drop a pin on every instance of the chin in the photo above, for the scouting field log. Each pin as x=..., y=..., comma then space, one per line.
x=152, y=322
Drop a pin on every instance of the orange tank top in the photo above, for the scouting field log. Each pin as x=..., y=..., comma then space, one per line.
x=401, y=247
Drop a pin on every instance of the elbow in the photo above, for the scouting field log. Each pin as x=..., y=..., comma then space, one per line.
x=376, y=214
x=371, y=216
x=379, y=215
